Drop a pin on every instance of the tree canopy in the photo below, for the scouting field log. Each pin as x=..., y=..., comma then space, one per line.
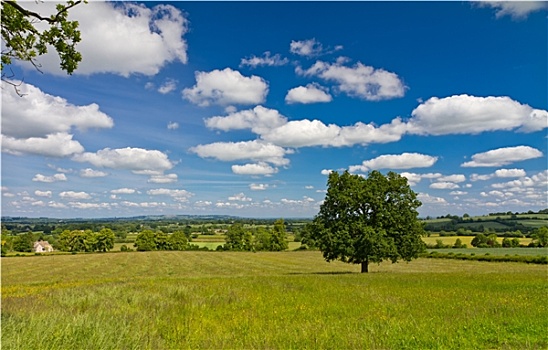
x=368, y=219
x=22, y=41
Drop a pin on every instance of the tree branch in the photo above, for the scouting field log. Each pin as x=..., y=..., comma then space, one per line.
x=28, y=13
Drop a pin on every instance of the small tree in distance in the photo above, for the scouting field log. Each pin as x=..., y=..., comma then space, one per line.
x=368, y=219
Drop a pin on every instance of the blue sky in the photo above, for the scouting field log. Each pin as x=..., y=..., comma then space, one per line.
x=243, y=108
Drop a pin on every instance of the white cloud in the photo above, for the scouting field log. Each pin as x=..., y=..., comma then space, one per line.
x=178, y=195
x=168, y=86
x=514, y=9
x=311, y=93
x=119, y=38
x=56, y=205
x=53, y=145
x=414, y=178
x=266, y=60
x=538, y=180
x=240, y=197
x=457, y=178
x=444, y=185
x=86, y=206
x=395, y=161
x=38, y=114
x=49, y=179
x=229, y=205
x=478, y=177
x=127, y=158
x=306, y=201
x=464, y=114
x=123, y=191
x=360, y=81
x=259, y=120
x=326, y=172
x=43, y=193
x=226, y=87
x=361, y=133
x=458, y=193
x=302, y=133
x=425, y=198
x=252, y=150
x=258, y=187
x=163, y=179
x=307, y=48
x=260, y=168
x=173, y=126
x=503, y=156
x=74, y=195
x=92, y=173
x=510, y=173
x=274, y=127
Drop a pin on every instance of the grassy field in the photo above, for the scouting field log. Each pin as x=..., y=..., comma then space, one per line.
x=287, y=300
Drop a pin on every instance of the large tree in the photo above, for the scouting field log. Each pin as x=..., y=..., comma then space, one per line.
x=23, y=41
x=368, y=219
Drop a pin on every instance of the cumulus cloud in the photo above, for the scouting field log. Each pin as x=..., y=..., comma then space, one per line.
x=92, y=173
x=514, y=9
x=178, y=195
x=425, y=198
x=265, y=60
x=301, y=133
x=226, y=87
x=168, y=86
x=414, y=178
x=173, y=126
x=306, y=48
x=163, y=179
x=306, y=133
x=258, y=187
x=444, y=185
x=245, y=150
x=43, y=193
x=260, y=168
x=519, y=185
x=464, y=114
x=457, y=178
x=38, y=114
x=503, y=156
x=124, y=190
x=510, y=173
x=259, y=119
x=240, y=197
x=49, y=179
x=395, y=161
x=311, y=93
x=53, y=145
x=136, y=159
x=359, y=81
x=119, y=37
x=74, y=195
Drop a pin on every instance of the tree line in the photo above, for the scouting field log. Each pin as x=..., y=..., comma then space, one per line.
x=239, y=238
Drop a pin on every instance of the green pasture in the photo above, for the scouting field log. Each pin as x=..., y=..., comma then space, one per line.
x=282, y=300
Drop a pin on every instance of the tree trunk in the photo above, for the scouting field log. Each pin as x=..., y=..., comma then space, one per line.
x=365, y=266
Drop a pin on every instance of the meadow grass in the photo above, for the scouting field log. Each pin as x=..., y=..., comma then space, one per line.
x=284, y=300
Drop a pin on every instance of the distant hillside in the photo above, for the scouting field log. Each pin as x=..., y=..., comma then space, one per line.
x=497, y=222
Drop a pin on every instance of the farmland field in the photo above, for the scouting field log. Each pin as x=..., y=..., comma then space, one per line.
x=179, y=300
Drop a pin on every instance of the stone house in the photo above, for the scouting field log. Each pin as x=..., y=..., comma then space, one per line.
x=42, y=247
